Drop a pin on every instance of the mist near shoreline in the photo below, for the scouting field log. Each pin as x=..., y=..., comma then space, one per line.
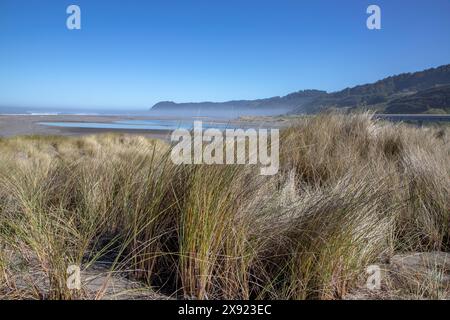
x=185, y=114
x=218, y=114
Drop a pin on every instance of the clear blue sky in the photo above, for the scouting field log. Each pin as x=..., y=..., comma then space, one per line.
x=131, y=54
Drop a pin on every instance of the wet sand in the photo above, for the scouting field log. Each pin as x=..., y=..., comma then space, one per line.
x=20, y=125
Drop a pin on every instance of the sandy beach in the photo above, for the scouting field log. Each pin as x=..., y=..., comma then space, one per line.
x=21, y=125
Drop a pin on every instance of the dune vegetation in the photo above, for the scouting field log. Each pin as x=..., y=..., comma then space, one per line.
x=351, y=192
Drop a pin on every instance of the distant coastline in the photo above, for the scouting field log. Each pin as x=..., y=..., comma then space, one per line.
x=421, y=92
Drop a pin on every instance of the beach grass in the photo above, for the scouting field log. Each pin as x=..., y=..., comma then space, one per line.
x=351, y=192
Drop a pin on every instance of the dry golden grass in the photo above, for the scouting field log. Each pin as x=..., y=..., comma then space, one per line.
x=351, y=192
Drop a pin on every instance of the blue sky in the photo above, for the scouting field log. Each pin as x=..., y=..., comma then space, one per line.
x=132, y=54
